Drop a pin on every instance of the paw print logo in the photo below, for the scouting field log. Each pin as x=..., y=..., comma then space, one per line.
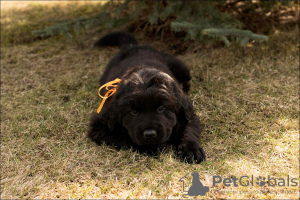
x=261, y=181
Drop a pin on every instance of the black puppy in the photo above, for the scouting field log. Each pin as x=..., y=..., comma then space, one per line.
x=149, y=107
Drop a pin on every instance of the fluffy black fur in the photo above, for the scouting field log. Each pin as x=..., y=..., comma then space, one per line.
x=119, y=38
x=150, y=107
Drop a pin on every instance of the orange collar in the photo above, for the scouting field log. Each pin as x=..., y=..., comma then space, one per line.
x=109, y=93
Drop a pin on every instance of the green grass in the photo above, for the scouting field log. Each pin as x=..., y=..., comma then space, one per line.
x=246, y=97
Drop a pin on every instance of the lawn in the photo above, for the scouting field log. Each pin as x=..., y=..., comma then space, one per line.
x=246, y=97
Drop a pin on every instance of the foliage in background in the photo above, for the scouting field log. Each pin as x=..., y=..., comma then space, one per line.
x=198, y=20
x=19, y=20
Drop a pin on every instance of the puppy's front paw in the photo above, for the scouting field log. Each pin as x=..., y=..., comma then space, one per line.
x=191, y=151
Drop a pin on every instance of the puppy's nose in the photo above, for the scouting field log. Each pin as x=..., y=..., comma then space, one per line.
x=150, y=133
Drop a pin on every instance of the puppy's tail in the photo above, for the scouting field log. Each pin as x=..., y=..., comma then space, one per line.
x=120, y=38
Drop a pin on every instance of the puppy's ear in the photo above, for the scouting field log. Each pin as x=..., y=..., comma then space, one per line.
x=107, y=118
x=102, y=126
x=184, y=106
x=110, y=113
x=97, y=128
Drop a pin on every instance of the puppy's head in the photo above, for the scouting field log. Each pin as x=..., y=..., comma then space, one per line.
x=146, y=104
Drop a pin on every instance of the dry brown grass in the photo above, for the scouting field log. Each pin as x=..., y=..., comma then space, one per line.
x=247, y=98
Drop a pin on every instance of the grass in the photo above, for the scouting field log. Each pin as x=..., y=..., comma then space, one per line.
x=246, y=97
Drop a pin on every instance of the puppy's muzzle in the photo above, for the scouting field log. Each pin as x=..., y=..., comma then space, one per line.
x=149, y=133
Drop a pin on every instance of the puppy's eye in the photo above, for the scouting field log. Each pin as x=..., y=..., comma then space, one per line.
x=133, y=112
x=161, y=108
